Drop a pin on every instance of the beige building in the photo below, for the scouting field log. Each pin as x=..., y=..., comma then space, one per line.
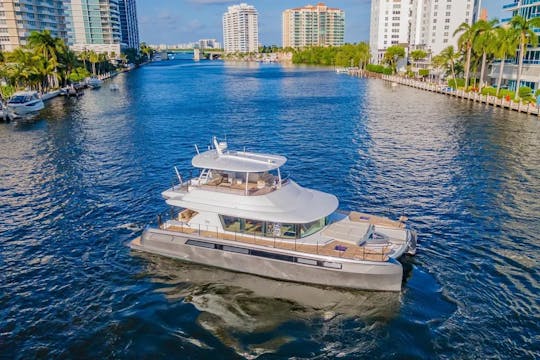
x=18, y=18
x=313, y=25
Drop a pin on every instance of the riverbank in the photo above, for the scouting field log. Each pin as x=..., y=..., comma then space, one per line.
x=470, y=96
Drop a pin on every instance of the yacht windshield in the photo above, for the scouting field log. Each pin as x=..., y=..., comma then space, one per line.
x=19, y=99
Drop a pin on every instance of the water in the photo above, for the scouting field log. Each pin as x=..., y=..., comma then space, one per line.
x=85, y=178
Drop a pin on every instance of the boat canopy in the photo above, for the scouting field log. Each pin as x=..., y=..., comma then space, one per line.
x=291, y=204
x=238, y=161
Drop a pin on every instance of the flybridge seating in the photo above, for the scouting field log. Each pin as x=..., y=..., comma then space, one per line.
x=237, y=172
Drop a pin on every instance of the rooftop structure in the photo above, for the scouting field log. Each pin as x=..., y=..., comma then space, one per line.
x=241, y=29
x=313, y=25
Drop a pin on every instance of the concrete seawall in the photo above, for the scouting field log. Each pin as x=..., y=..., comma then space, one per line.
x=471, y=96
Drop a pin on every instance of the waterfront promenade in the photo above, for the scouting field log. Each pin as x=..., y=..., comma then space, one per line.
x=462, y=94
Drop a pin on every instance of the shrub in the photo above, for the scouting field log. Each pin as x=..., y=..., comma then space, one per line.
x=379, y=69
x=526, y=95
x=503, y=93
x=423, y=72
x=525, y=92
x=537, y=93
x=491, y=91
x=455, y=83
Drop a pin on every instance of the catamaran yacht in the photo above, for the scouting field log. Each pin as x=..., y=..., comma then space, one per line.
x=239, y=213
x=24, y=103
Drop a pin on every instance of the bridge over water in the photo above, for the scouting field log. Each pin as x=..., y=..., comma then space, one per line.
x=196, y=54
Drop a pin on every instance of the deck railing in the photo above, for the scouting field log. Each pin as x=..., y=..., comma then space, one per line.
x=322, y=246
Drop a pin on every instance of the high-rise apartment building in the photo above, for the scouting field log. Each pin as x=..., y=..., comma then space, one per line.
x=426, y=24
x=530, y=75
x=96, y=25
x=18, y=18
x=128, y=23
x=313, y=25
x=241, y=29
x=389, y=25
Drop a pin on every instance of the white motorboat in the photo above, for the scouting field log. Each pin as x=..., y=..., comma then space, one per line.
x=24, y=103
x=240, y=214
x=114, y=87
x=94, y=83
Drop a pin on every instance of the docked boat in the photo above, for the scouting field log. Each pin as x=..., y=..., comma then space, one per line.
x=24, y=103
x=114, y=87
x=94, y=83
x=239, y=213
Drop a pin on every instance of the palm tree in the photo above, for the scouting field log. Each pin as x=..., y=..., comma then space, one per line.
x=506, y=43
x=484, y=42
x=524, y=28
x=18, y=67
x=102, y=59
x=93, y=57
x=448, y=58
x=49, y=47
x=68, y=61
x=84, y=56
x=392, y=56
x=465, y=43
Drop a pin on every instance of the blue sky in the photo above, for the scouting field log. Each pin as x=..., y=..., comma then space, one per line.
x=181, y=21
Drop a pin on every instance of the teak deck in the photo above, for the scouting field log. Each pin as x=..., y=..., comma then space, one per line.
x=328, y=249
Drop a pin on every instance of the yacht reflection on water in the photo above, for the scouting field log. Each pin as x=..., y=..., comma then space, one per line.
x=235, y=305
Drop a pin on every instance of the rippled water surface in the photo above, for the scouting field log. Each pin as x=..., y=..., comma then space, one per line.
x=85, y=178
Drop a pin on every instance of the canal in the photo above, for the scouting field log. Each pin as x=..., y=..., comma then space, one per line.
x=85, y=177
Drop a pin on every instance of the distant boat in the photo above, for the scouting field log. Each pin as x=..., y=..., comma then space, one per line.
x=94, y=83
x=342, y=70
x=114, y=87
x=24, y=103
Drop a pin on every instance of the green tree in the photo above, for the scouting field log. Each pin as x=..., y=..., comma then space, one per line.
x=465, y=43
x=524, y=28
x=484, y=42
x=49, y=47
x=417, y=55
x=392, y=55
x=505, y=44
x=93, y=57
x=447, y=59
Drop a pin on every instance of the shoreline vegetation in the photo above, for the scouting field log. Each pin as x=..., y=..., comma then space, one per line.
x=47, y=64
x=483, y=44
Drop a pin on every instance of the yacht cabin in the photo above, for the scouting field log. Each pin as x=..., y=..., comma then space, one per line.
x=241, y=189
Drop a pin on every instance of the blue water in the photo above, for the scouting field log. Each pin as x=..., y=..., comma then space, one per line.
x=84, y=178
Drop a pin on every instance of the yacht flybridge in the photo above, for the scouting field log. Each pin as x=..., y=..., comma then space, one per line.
x=240, y=213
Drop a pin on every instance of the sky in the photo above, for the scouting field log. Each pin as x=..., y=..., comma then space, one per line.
x=183, y=21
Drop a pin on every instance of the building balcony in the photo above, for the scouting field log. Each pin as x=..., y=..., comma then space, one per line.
x=510, y=6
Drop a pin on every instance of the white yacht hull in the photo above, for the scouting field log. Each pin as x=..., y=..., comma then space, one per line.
x=17, y=110
x=257, y=260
